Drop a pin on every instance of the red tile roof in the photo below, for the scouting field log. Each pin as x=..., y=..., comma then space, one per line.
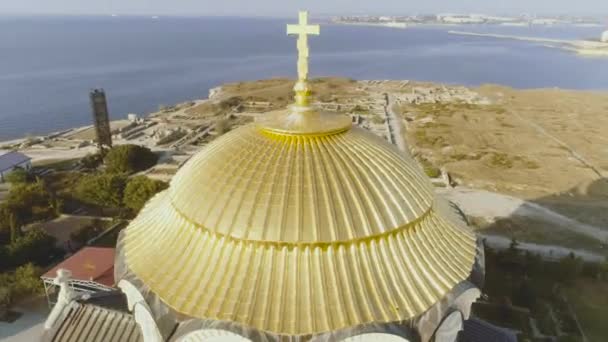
x=89, y=264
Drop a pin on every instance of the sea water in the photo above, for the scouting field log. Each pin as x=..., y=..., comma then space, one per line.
x=49, y=64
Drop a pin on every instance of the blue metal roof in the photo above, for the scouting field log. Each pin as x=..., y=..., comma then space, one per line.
x=476, y=330
x=11, y=159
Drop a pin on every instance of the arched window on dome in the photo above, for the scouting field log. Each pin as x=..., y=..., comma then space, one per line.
x=448, y=329
x=375, y=337
x=212, y=335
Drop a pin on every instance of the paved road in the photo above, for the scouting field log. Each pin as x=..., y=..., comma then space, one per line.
x=394, y=124
x=491, y=205
x=546, y=251
x=30, y=325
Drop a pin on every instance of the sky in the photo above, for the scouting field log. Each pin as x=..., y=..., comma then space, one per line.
x=265, y=8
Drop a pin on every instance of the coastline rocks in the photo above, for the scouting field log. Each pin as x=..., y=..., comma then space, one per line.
x=213, y=92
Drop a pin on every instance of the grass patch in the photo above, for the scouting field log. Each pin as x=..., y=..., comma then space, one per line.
x=433, y=124
x=423, y=139
x=530, y=164
x=467, y=156
x=63, y=182
x=377, y=119
x=111, y=238
x=57, y=165
x=496, y=109
x=431, y=170
x=501, y=160
x=589, y=300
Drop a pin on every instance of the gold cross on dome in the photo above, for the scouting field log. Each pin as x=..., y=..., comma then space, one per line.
x=303, y=29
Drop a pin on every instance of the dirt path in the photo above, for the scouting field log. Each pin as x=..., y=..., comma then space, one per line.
x=576, y=155
x=394, y=125
x=57, y=154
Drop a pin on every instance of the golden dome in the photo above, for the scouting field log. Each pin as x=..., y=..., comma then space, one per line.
x=298, y=233
x=256, y=185
x=298, y=224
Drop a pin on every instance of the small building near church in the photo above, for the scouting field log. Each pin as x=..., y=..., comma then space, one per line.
x=11, y=160
x=91, y=268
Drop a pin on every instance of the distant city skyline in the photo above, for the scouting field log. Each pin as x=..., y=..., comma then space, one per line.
x=265, y=8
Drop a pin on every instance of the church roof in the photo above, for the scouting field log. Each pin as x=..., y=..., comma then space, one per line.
x=298, y=234
x=88, y=264
x=258, y=185
x=298, y=224
x=86, y=322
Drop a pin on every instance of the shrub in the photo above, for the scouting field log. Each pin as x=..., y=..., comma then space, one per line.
x=230, y=103
x=431, y=170
x=570, y=267
x=140, y=189
x=19, y=176
x=27, y=203
x=86, y=233
x=129, y=159
x=6, y=298
x=23, y=282
x=4, y=261
x=26, y=281
x=34, y=246
x=91, y=161
x=501, y=160
x=102, y=189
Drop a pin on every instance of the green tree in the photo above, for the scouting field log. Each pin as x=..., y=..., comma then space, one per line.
x=24, y=281
x=6, y=298
x=26, y=203
x=140, y=189
x=34, y=246
x=27, y=280
x=104, y=189
x=129, y=159
x=86, y=233
x=514, y=245
x=18, y=176
x=570, y=268
x=91, y=161
x=4, y=261
x=533, y=263
x=524, y=295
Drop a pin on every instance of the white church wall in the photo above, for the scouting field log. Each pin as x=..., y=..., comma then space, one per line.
x=146, y=322
x=131, y=292
x=449, y=328
x=212, y=335
x=375, y=337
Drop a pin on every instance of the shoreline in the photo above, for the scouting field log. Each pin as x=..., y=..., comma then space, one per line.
x=581, y=47
x=8, y=143
x=177, y=132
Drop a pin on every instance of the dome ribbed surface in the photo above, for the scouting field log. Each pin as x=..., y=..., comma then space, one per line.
x=298, y=234
x=262, y=186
